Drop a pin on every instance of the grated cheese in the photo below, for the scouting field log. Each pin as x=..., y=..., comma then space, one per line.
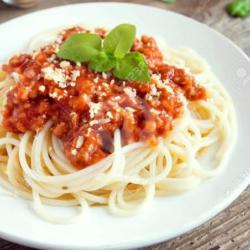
x=15, y=76
x=153, y=92
x=104, y=75
x=117, y=98
x=129, y=109
x=154, y=111
x=93, y=122
x=58, y=39
x=64, y=64
x=57, y=75
x=168, y=87
x=41, y=88
x=109, y=115
x=52, y=58
x=53, y=95
x=105, y=85
x=131, y=92
x=74, y=152
x=75, y=74
x=96, y=79
x=104, y=120
x=79, y=141
x=88, y=131
x=72, y=84
x=94, y=109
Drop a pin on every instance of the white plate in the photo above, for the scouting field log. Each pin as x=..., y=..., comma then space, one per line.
x=167, y=217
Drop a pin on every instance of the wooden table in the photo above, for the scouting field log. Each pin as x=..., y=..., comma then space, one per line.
x=231, y=228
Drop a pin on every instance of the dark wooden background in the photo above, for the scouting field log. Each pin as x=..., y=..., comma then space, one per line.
x=231, y=228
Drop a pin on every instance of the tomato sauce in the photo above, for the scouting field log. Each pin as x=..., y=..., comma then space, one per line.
x=87, y=107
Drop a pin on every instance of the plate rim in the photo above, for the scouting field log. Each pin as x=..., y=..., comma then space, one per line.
x=143, y=243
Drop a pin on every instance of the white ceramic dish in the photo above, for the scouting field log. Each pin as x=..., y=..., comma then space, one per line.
x=167, y=217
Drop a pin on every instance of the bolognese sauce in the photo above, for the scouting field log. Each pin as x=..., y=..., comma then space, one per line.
x=86, y=107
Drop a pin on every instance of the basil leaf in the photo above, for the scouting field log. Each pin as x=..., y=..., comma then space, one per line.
x=119, y=40
x=240, y=8
x=168, y=1
x=132, y=67
x=102, y=62
x=80, y=47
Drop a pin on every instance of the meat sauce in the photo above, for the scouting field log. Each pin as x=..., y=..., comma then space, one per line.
x=86, y=107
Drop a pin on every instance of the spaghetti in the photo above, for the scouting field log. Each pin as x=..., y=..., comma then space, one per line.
x=36, y=162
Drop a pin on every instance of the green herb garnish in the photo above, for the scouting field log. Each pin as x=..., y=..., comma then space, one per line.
x=80, y=47
x=132, y=66
x=102, y=62
x=120, y=40
x=112, y=54
x=168, y=1
x=239, y=8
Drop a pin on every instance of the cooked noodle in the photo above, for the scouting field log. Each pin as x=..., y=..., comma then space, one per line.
x=33, y=166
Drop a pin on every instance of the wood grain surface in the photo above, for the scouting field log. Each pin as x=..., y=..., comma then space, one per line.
x=231, y=228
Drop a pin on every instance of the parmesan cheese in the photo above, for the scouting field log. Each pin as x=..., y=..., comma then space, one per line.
x=58, y=39
x=75, y=74
x=154, y=111
x=41, y=88
x=93, y=122
x=88, y=131
x=51, y=58
x=94, y=109
x=131, y=92
x=72, y=84
x=15, y=76
x=169, y=89
x=79, y=141
x=117, y=98
x=109, y=115
x=153, y=93
x=104, y=120
x=96, y=79
x=53, y=95
x=104, y=75
x=74, y=152
x=129, y=109
x=64, y=64
x=57, y=75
